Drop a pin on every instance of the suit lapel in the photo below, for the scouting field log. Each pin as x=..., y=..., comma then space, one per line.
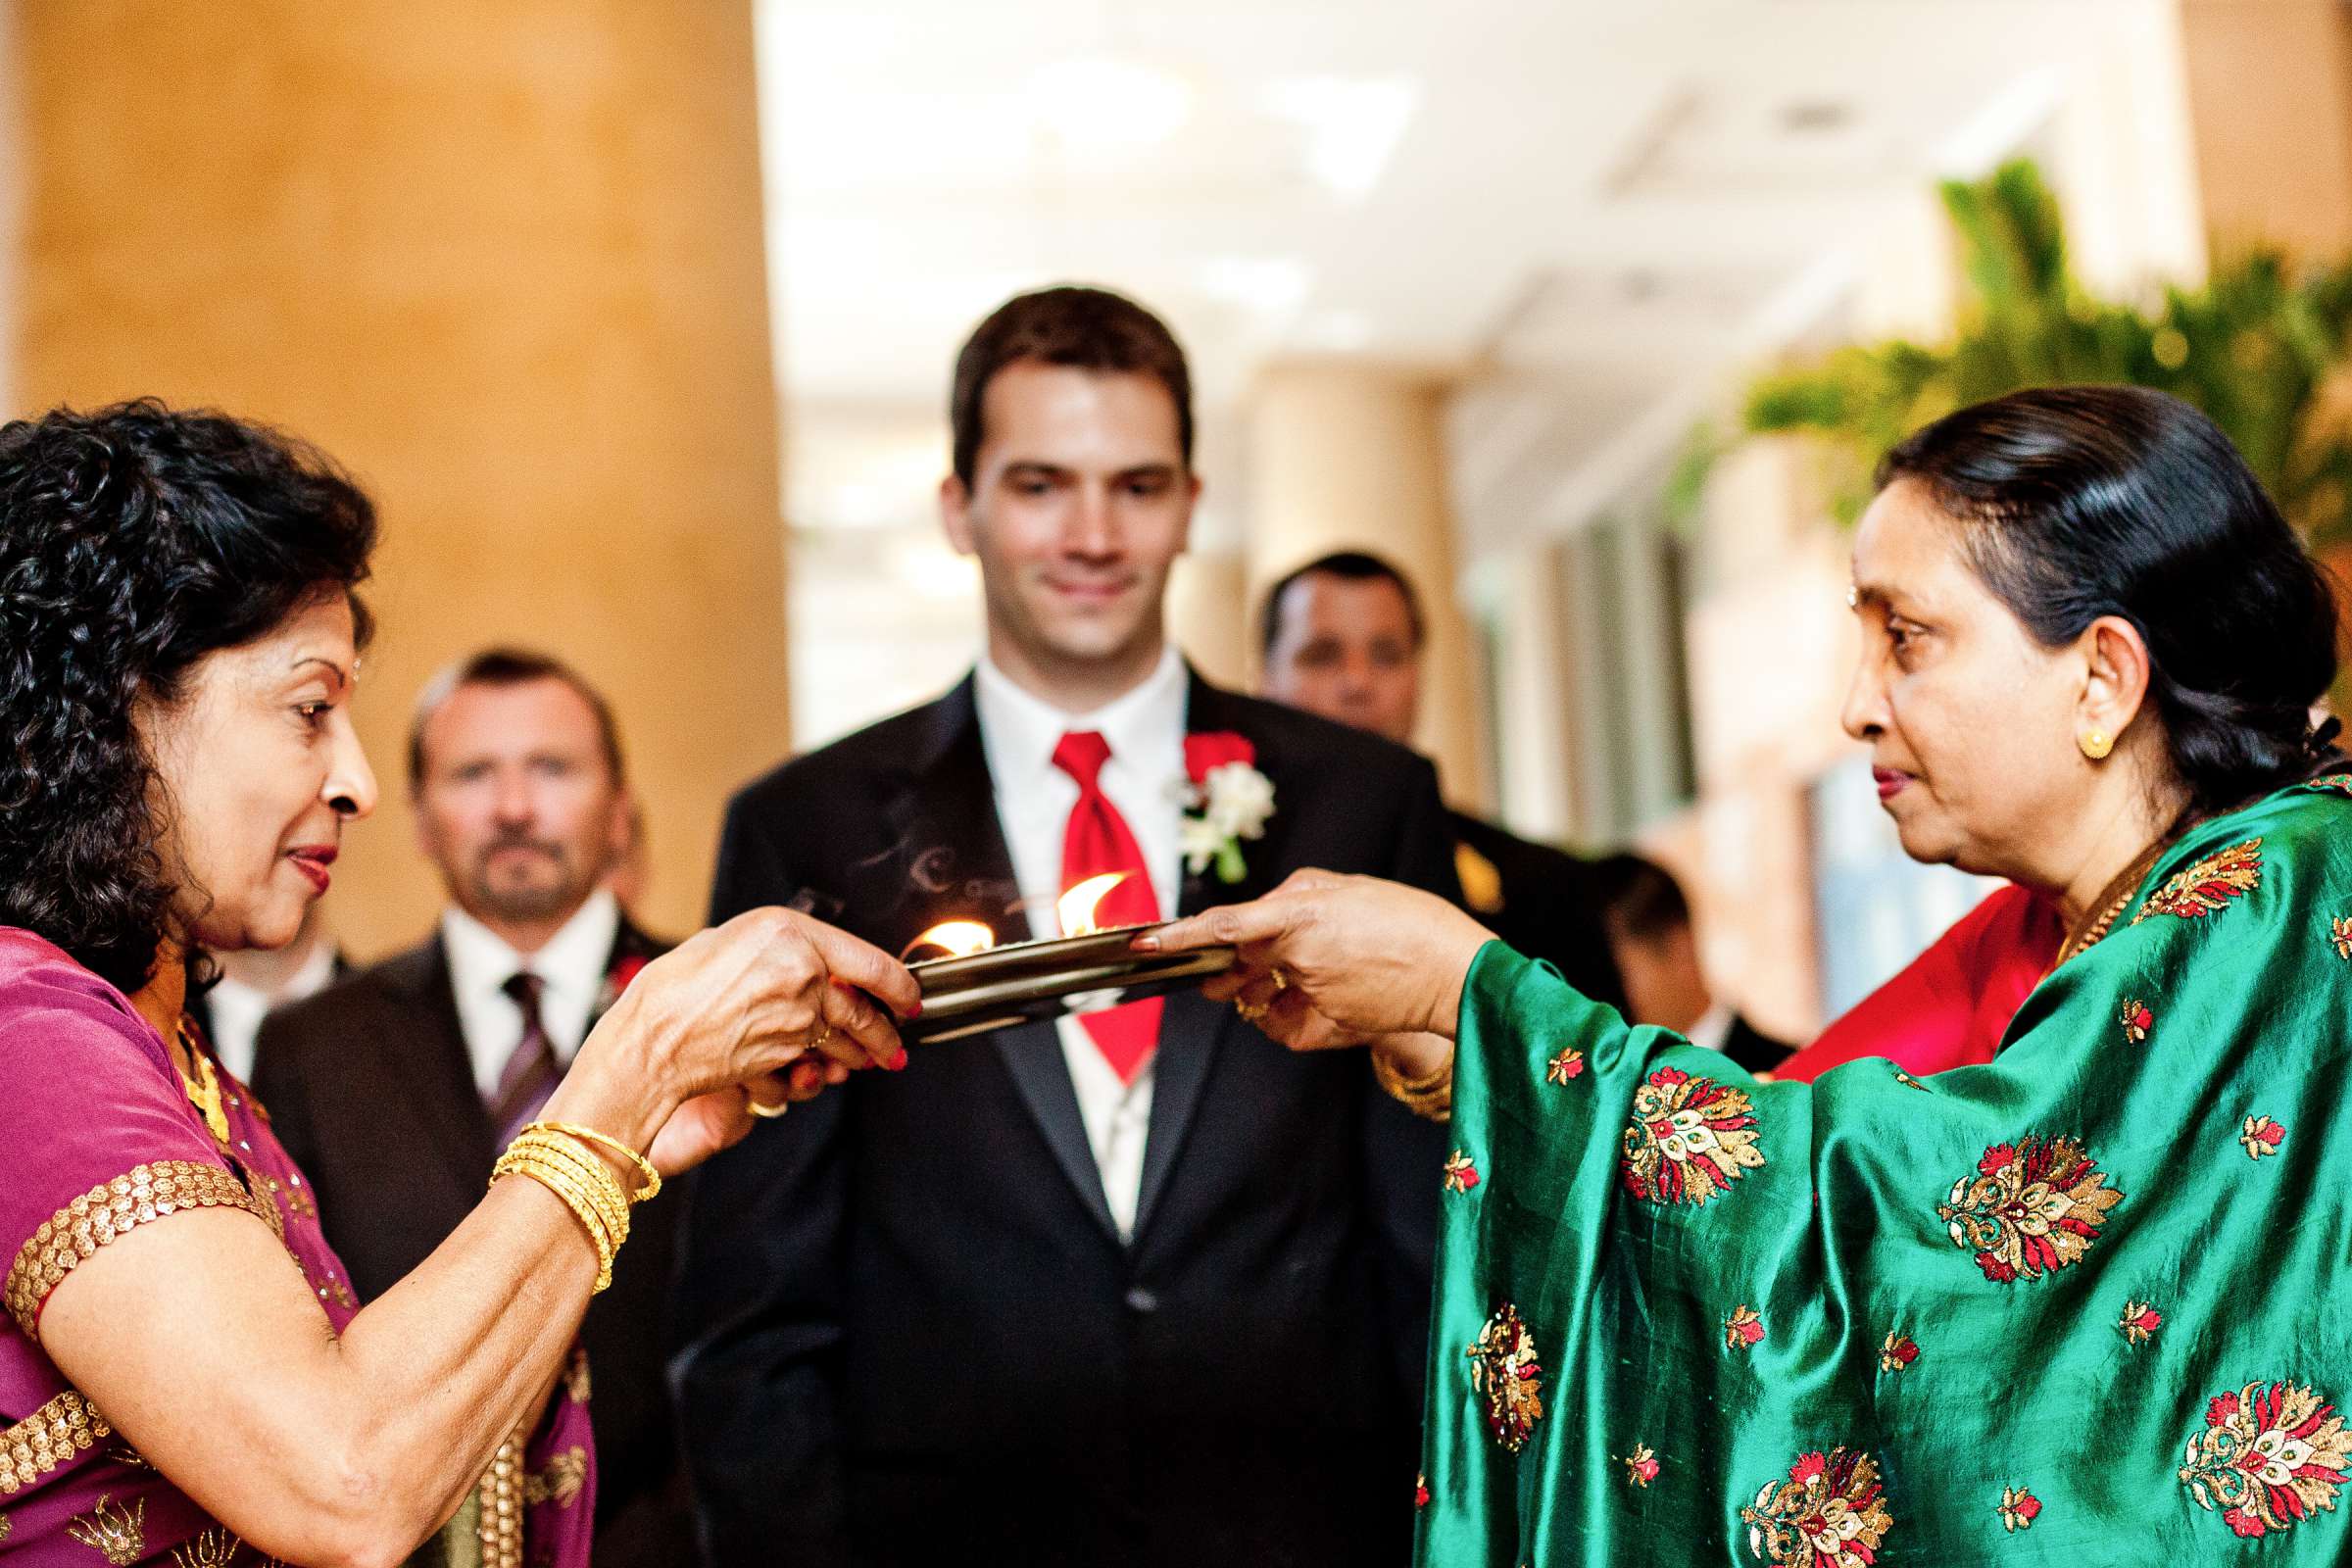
x=946, y=821
x=442, y=1084
x=1194, y=1029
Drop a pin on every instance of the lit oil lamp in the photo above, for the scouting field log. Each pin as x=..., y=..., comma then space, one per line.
x=974, y=983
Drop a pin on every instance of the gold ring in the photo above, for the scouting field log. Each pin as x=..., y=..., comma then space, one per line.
x=824, y=1032
x=759, y=1108
x=1251, y=1011
x=1282, y=981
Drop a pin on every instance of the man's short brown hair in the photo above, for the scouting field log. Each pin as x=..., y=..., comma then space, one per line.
x=508, y=667
x=1082, y=328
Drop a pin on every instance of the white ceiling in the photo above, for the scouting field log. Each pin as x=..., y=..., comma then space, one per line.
x=1589, y=187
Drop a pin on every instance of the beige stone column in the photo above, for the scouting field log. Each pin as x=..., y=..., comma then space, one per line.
x=1345, y=456
x=506, y=263
x=2270, y=96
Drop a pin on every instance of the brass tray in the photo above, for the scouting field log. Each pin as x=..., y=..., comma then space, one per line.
x=1029, y=981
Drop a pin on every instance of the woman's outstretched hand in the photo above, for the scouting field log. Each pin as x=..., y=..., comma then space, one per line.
x=772, y=1006
x=1337, y=960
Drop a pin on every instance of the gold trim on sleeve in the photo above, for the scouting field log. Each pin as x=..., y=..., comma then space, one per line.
x=48, y=1439
x=75, y=1232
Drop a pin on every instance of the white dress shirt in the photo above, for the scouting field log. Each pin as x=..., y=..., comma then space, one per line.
x=237, y=1009
x=1143, y=776
x=570, y=968
x=1713, y=1030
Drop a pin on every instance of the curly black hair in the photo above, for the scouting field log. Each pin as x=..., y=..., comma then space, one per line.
x=134, y=540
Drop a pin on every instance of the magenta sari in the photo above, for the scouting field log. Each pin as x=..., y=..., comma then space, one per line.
x=97, y=1138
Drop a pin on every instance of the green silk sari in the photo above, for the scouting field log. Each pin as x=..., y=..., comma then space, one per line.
x=2090, y=1303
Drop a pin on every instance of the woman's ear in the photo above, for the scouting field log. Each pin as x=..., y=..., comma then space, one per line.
x=2115, y=676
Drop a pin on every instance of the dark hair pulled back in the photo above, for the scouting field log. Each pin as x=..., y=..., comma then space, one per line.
x=2082, y=502
x=134, y=540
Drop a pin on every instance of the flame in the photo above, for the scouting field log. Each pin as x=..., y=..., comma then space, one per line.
x=1077, y=906
x=957, y=939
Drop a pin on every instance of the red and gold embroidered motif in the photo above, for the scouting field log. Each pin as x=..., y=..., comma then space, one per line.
x=1569, y=1063
x=119, y=1534
x=2137, y=1019
x=1897, y=1352
x=2033, y=1206
x=2139, y=1322
x=2019, y=1508
x=2268, y=1456
x=2209, y=885
x=2261, y=1135
x=67, y=1426
x=1743, y=1329
x=1421, y=1491
x=1503, y=1368
x=1461, y=1172
x=1828, y=1514
x=560, y=1481
x=2340, y=934
x=2334, y=781
x=1641, y=1467
x=1689, y=1140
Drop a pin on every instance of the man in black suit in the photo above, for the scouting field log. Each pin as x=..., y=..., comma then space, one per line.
x=396, y=1088
x=1341, y=637
x=1134, y=1288
x=1649, y=921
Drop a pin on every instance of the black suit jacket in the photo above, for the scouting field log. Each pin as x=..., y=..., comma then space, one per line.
x=1545, y=907
x=369, y=1087
x=1754, y=1048
x=916, y=1334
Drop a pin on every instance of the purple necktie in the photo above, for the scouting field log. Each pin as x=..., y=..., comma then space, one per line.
x=532, y=1072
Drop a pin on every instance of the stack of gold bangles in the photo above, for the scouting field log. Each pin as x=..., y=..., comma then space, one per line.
x=1430, y=1098
x=557, y=1157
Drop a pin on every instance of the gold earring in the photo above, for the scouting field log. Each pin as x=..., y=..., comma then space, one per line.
x=2097, y=743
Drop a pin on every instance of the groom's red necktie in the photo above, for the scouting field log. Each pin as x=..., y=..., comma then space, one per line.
x=1097, y=841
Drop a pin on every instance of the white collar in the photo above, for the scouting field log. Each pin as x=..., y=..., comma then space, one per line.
x=1021, y=729
x=1713, y=1028
x=571, y=968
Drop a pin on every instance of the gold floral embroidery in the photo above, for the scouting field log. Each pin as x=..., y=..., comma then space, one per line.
x=48, y=1437
x=1461, y=1172
x=2139, y=1322
x=2261, y=1135
x=2019, y=1508
x=1503, y=1368
x=119, y=1534
x=215, y=1549
x=298, y=1203
x=561, y=1483
x=2268, y=1457
x=1568, y=1064
x=2033, y=1206
x=123, y=1453
x=77, y=1231
x=1743, y=1329
x=1897, y=1352
x=2208, y=885
x=5, y=1527
x=2339, y=933
x=1641, y=1467
x=1830, y=1510
x=1689, y=1139
x=575, y=1377
x=2137, y=1018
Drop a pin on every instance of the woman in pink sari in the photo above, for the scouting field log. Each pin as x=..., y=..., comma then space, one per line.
x=184, y=1375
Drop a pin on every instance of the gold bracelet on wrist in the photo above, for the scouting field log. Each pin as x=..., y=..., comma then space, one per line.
x=652, y=1183
x=1430, y=1097
x=576, y=1173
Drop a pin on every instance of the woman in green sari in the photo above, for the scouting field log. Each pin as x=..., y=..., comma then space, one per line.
x=2086, y=1304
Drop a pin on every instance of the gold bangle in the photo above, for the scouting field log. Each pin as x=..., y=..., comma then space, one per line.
x=586, y=1167
x=572, y=1198
x=602, y=1202
x=1430, y=1097
x=644, y=1168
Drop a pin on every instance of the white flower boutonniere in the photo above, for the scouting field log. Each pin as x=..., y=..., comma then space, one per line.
x=1226, y=800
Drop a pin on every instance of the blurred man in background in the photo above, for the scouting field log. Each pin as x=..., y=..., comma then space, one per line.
x=254, y=981
x=1649, y=922
x=1341, y=637
x=1136, y=1287
x=396, y=1088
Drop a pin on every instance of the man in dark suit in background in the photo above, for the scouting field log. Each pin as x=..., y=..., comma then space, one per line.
x=1649, y=921
x=396, y=1088
x=1142, y=1288
x=1341, y=637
